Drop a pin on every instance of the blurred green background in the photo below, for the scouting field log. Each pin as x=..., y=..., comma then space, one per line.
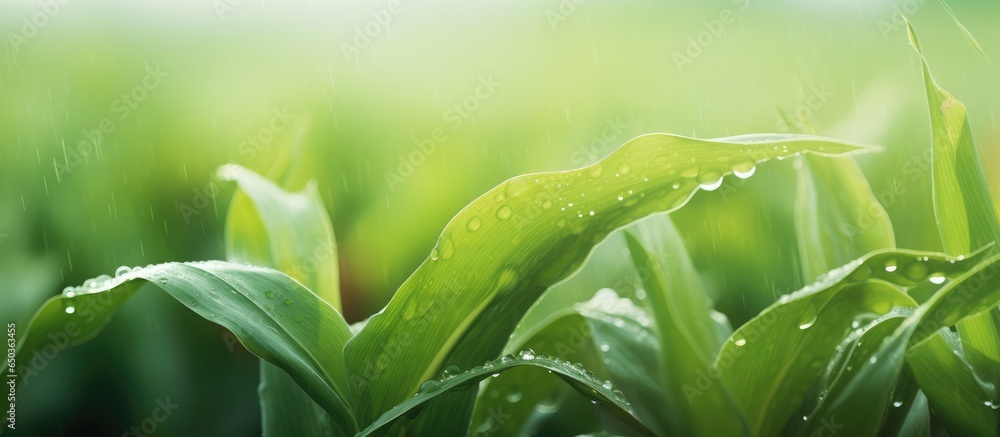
x=404, y=111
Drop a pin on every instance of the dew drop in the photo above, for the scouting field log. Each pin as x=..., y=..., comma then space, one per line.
x=710, y=180
x=474, y=224
x=123, y=270
x=744, y=170
x=527, y=354
x=450, y=372
x=288, y=302
x=516, y=186
x=740, y=342
x=597, y=169
x=514, y=396
x=269, y=294
x=937, y=278
x=808, y=319
x=70, y=310
x=605, y=347
x=625, y=168
x=504, y=212
x=890, y=265
x=916, y=271
x=429, y=386
x=897, y=404
x=690, y=173
x=446, y=246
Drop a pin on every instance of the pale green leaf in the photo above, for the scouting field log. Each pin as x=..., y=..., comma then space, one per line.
x=497, y=256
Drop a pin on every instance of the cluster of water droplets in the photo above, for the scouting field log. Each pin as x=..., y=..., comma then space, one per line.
x=99, y=284
x=605, y=388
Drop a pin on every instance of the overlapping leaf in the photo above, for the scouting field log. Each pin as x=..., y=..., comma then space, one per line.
x=274, y=316
x=576, y=376
x=772, y=361
x=967, y=220
x=267, y=226
x=503, y=250
x=607, y=335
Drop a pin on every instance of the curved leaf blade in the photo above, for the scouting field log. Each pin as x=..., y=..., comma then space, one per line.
x=581, y=380
x=275, y=317
x=771, y=362
x=534, y=231
x=606, y=329
x=686, y=333
x=291, y=232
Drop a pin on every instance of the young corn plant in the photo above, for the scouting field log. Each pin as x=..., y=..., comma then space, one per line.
x=858, y=351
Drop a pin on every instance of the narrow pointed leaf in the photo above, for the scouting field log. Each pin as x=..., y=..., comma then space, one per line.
x=503, y=250
x=607, y=329
x=837, y=217
x=772, y=360
x=291, y=232
x=966, y=215
x=686, y=333
x=577, y=378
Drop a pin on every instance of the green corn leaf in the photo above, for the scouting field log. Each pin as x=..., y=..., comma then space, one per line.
x=972, y=288
x=965, y=32
x=686, y=332
x=497, y=256
x=606, y=329
x=270, y=227
x=950, y=382
x=909, y=407
x=771, y=361
x=274, y=316
x=837, y=217
x=580, y=379
x=290, y=232
x=965, y=212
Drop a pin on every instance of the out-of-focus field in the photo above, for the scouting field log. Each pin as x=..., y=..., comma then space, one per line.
x=403, y=112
